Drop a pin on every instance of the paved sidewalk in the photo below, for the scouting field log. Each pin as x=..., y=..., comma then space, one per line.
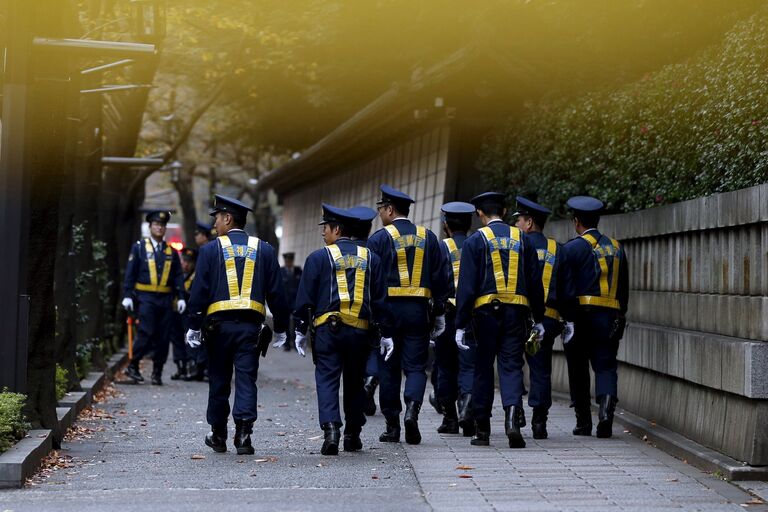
x=141, y=452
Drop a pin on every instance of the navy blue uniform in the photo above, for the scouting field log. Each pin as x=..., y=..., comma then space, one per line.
x=593, y=292
x=540, y=365
x=423, y=264
x=455, y=368
x=499, y=305
x=233, y=322
x=342, y=339
x=154, y=278
x=181, y=352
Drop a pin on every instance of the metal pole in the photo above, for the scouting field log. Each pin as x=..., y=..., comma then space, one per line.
x=14, y=199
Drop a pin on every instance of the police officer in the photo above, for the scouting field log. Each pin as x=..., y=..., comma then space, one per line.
x=153, y=276
x=499, y=289
x=204, y=233
x=530, y=217
x=183, y=356
x=593, y=295
x=290, y=274
x=235, y=276
x=342, y=293
x=413, y=269
x=361, y=230
x=454, y=367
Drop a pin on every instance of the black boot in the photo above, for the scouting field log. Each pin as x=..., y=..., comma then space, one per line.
x=539, y=423
x=371, y=383
x=411, y=421
x=605, y=416
x=243, y=430
x=392, y=434
x=352, y=441
x=157, y=375
x=195, y=372
x=482, y=435
x=512, y=428
x=332, y=438
x=450, y=424
x=583, y=421
x=434, y=402
x=181, y=371
x=466, y=422
x=519, y=417
x=132, y=371
x=217, y=439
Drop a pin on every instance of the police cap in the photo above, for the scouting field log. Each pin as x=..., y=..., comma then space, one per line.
x=229, y=205
x=585, y=204
x=527, y=207
x=336, y=215
x=161, y=216
x=488, y=199
x=390, y=195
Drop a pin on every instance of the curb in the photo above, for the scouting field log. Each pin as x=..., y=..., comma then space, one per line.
x=679, y=446
x=22, y=460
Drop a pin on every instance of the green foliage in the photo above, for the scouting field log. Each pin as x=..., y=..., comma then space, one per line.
x=61, y=382
x=689, y=130
x=13, y=426
x=83, y=359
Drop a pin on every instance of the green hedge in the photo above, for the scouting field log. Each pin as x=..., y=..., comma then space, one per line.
x=12, y=423
x=689, y=130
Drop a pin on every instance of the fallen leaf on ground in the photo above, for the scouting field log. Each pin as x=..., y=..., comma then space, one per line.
x=374, y=477
x=281, y=434
x=465, y=476
x=466, y=468
x=197, y=457
x=314, y=438
x=754, y=501
x=672, y=480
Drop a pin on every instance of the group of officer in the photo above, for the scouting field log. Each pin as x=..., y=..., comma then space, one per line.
x=371, y=307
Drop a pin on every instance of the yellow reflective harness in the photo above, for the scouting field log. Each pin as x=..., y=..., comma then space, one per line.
x=607, y=297
x=548, y=256
x=506, y=288
x=154, y=286
x=349, y=306
x=455, y=254
x=188, y=281
x=409, y=281
x=239, y=298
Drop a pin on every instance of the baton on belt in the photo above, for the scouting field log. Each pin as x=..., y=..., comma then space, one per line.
x=129, y=321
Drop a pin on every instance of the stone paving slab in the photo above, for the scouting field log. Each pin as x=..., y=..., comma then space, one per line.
x=138, y=456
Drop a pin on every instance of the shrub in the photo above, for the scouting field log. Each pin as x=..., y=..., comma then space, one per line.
x=691, y=129
x=13, y=426
x=83, y=359
x=61, y=382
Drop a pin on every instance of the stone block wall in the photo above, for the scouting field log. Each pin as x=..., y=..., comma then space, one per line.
x=694, y=357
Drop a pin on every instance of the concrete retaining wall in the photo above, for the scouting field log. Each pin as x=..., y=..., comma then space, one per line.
x=694, y=357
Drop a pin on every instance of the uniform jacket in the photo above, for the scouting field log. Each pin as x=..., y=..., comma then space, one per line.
x=477, y=276
x=210, y=284
x=137, y=271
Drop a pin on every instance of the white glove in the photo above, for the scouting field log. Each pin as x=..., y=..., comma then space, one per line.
x=193, y=338
x=460, y=340
x=567, y=333
x=439, y=327
x=281, y=338
x=539, y=330
x=301, y=344
x=181, y=306
x=387, y=347
x=128, y=303
x=431, y=343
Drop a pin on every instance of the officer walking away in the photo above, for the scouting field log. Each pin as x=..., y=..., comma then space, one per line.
x=291, y=276
x=341, y=294
x=530, y=217
x=361, y=230
x=594, y=289
x=204, y=233
x=153, y=277
x=499, y=289
x=455, y=368
x=235, y=277
x=413, y=270
x=183, y=355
